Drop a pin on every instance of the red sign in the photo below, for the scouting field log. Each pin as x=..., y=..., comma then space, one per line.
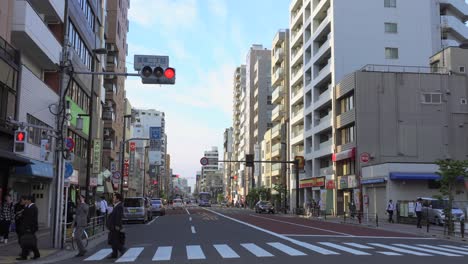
x=365, y=157
x=314, y=182
x=346, y=154
x=132, y=146
x=330, y=184
x=204, y=161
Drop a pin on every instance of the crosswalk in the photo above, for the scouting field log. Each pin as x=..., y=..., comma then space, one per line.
x=272, y=249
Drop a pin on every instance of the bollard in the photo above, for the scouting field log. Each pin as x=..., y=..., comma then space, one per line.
x=428, y=224
x=376, y=220
x=462, y=228
x=344, y=218
x=359, y=217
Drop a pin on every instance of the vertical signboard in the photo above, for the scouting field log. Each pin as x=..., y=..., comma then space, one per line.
x=132, y=157
x=96, y=156
x=125, y=174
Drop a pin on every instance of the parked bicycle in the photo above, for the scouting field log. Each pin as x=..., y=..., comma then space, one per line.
x=84, y=238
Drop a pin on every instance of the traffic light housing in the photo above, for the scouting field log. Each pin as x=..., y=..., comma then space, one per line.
x=20, y=141
x=157, y=75
x=249, y=160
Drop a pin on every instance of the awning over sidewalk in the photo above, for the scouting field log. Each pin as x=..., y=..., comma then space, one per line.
x=416, y=176
x=36, y=168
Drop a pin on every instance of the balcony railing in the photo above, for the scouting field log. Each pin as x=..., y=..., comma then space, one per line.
x=108, y=144
x=108, y=116
x=8, y=52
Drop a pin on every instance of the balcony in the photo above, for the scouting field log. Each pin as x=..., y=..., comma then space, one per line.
x=277, y=95
x=326, y=171
x=276, y=131
x=277, y=113
x=255, y=120
x=108, y=116
x=108, y=144
x=324, y=148
x=456, y=5
x=324, y=72
x=53, y=10
x=256, y=105
x=256, y=92
x=31, y=35
x=275, y=169
x=297, y=116
x=276, y=150
x=323, y=123
x=323, y=98
x=295, y=15
x=455, y=26
x=279, y=55
x=296, y=35
x=111, y=90
x=297, y=74
x=297, y=137
x=297, y=95
x=296, y=54
x=323, y=48
x=278, y=76
x=111, y=63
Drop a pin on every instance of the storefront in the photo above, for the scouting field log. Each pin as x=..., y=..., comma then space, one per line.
x=348, y=192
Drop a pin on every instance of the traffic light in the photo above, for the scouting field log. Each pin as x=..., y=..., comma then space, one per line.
x=157, y=75
x=249, y=159
x=20, y=141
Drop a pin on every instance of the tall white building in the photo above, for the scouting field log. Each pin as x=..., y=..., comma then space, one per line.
x=240, y=116
x=211, y=168
x=332, y=38
x=145, y=121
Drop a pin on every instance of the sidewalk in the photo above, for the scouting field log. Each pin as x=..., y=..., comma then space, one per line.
x=9, y=252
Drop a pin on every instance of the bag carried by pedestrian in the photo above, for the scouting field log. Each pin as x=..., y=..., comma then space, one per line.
x=28, y=240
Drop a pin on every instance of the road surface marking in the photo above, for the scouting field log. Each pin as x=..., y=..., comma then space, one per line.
x=256, y=250
x=454, y=247
x=190, y=219
x=292, y=240
x=399, y=249
x=299, y=235
x=225, y=251
x=195, y=252
x=152, y=220
x=437, y=252
x=187, y=211
x=345, y=249
x=358, y=245
x=193, y=230
x=100, y=255
x=371, y=237
x=316, y=228
x=286, y=249
x=163, y=253
x=445, y=249
x=389, y=253
x=131, y=254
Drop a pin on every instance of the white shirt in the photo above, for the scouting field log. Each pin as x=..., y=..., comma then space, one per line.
x=418, y=207
x=103, y=206
x=391, y=207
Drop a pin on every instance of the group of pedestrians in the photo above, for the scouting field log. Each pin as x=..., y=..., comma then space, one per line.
x=417, y=209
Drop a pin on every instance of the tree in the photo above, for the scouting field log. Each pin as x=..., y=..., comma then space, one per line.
x=449, y=171
x=282, y=191
x=220, y=197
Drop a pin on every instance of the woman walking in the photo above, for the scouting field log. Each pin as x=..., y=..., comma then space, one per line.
x=7, y=215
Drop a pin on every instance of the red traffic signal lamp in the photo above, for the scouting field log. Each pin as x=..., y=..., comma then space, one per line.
x=157, y=75
x=20, y=141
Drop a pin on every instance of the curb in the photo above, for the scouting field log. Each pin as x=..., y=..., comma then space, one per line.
x=65, y=254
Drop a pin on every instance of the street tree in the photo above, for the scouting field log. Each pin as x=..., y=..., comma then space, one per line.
x=449, y=171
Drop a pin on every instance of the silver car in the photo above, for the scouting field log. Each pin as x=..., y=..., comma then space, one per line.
x=433, y=209
x=136, y=209
x=157, y=207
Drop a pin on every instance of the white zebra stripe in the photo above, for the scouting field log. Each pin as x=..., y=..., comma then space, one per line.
x=428, y=250
x=162, y=253
x=358, y=245
x=195, y=252
x=225, y=251
x=287, y=249
x=130, y=255
x=401, y=250
x=100, y=255
x=256, y=250
x=445, y=249
x=345, y=249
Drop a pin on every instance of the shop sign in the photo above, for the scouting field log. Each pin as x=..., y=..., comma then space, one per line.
x=97, y=156
x=330, y=184
x=314, y=182
x=346, y=154
x=93, y=181
x=352, y=181
x=342, y=182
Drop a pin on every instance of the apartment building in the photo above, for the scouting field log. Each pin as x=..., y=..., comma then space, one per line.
x=403, y=119
x=211, y=168
x=240, y=116
x=151, y=124
x=325, y=46
x=114, y=107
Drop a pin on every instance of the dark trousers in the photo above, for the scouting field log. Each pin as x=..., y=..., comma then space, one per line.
x=390, y=216
x=5, y=228
x=117, y=243
x=28, y=246
x=419, y=215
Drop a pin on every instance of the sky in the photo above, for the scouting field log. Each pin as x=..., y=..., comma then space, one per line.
x=205, y=41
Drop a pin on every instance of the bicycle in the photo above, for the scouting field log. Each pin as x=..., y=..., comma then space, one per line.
x=84, y=238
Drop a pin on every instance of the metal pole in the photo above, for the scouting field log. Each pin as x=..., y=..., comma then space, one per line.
x=296, y=164
x=122, y=149
x=90, y=131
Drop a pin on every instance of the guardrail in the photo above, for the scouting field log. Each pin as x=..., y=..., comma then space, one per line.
x=96, y=225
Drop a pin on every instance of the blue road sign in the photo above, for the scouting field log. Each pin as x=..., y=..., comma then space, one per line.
x=155, y=133
x=68, y=170
x=69, y=143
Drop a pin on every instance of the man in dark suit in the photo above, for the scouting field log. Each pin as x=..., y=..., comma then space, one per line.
x=80, y=223
x=114, y=224
x=29, y=227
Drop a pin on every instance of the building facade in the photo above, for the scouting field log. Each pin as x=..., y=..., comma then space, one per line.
x=239, y=119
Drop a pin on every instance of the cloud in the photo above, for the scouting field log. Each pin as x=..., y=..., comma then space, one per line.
x=218, y=8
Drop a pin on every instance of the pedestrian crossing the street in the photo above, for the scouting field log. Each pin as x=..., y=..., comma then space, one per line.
x=275, y=249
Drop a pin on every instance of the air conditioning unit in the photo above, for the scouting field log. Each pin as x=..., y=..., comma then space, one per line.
x=107, y=133
x=111, y=47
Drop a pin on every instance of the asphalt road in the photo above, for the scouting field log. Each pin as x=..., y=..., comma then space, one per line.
x=220, y=235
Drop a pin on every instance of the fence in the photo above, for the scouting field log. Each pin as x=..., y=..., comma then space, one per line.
x=95, y=226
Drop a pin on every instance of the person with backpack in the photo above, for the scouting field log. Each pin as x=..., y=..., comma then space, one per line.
x=80, y=222
x=390, y=209
x=7, y=216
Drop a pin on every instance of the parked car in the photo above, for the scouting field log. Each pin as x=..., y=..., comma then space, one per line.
x=157, y=207
x=433, y=209
x=264, y=206
x=136, y=209
x=177, y=204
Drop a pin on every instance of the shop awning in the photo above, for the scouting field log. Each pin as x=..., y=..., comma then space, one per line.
x=372, y=181
x=346, y=154
x=10, y=158
x=416, y=176
x=36, y=168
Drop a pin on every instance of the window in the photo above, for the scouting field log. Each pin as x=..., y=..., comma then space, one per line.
x=77, y=94
x=81, y=144
x=391, y=28
x=461, y=69
x=390, y=3
x=391, y=53
x=463, y=101
x=34, y=133
x=269, y=100
x=78, y=45
x=8, y=94
x=346, y=167
x=346, y=104
x=88, y=12
x=431, y=98
x=347, y=135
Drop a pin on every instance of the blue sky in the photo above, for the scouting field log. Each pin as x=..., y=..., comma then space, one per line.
x=205, y=40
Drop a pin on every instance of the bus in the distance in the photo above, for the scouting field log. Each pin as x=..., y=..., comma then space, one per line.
x=204, y=199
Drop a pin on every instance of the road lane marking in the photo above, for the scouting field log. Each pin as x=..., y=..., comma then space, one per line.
x=131, y=254
x=187, y=211
x=316, y=228
x=300, y=235
x=401, y=250
x=389, y=253
x=195, y=252
x=358, y=245
x=345, y=249
x=193, y=230
x=100, y=255
x=152, y=220
x=163, y=253
x=445, y=249
x=437, y=252
x=292, y=240
x=286, y=249
x=256, y=250
x=225, y=251
x=371, y=237
x=454, y=247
